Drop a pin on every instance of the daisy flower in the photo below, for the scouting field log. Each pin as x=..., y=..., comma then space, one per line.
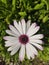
x=23, y=36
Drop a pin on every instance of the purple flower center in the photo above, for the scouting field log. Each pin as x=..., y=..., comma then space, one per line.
x=23, y=39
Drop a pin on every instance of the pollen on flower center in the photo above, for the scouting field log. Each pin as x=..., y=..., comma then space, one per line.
x=23, y=39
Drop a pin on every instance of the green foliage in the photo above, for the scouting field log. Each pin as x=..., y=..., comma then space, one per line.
x=36, y=10
x=4, y=1
x=39, y=6
x=22, y=14
x=13, y=4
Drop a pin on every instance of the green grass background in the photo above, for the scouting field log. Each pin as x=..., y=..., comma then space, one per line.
x=36, y=10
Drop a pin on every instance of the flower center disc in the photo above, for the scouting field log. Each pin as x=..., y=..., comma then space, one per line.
x=23, y=39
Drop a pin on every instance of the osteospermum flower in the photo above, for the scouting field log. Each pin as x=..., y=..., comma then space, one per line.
x=22, y=36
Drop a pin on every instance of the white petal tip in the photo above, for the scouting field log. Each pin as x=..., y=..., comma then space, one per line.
x=42, y=42
x=11, y=54
x=33, y=57
x=22, y=19
x=36, y=53
x=5, y=38
x=21, y=59
x=41, y=49
x=5, y=30
x=6, y=45
x=35, y=23
x=9, y=26
x=8, y=49
x=14, y=20
x=42, y=36
x=38, y=27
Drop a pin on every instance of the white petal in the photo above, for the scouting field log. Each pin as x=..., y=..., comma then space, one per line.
x=10, y=38
x=14, y=47
x=30, y=51
x=10, y=32
x=15, y=50
x=22, y=53
x=34, y=50
x=11, y=42
x=8, y=43
x=28, y=24
x=30, y=27
x=11, y=48
x=14, y=30
x=38, y=36
x=20, y=26
x=32, y=31
x=23, y=26
x=37, y=45
x=17, y=26
x=36, y=41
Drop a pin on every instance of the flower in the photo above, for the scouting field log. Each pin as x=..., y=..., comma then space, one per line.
x=22, y=36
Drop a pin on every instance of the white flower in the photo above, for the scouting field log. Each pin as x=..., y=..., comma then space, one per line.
x=22, y=36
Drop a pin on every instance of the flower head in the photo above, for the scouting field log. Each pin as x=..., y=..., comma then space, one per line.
x=22, y=36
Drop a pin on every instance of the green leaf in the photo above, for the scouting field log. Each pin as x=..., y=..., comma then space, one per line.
x=41, y=16
x=4, y=1
x=13, y=4
x=22, y=14
x=7, y=18
x=48, y=39
x=45, y=19
x=46, y=2
x=39, y=6
x=1, y=47
x=45, y=54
